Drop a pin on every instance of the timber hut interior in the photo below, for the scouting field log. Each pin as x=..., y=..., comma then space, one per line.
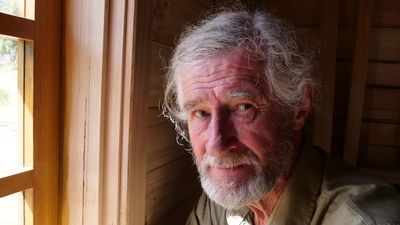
x=92, y=146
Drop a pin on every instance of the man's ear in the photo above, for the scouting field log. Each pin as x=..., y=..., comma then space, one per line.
x=301, y=113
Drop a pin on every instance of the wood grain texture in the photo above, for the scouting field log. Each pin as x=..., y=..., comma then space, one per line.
x=17, y=26
x=307, y=12
x=46, y=111
x=137, y=62
x=378, y=74
x=83, y=58
x=168, y=188
x=15, y=181
x=160, y=54
x=382, y=134
x=329, y=30
x=375, y=97
x=383, y=45
x=357, y=85
x=28, y=70
x=171, y=180
x=382, y=98
x=386, y=13
x=25, y=83
x=379, y=143
x=170, y=16
x=298, y=13
x=180, y=214
x=379, y=157
x=113, y=174
x=380, y=104
x=165, y=149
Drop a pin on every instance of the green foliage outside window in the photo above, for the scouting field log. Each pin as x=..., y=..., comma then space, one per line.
x=8, y=53
x=8, y=47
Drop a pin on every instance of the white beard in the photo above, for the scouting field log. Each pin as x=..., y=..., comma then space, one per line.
x=232, y=193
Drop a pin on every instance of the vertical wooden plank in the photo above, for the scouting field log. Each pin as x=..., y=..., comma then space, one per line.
x=28, y=102
x=83, y=86
x=137, y=69
x=28, y=125
x=21, y=103
x=29, y=9
x=128, y=68
x=28, y=206
x=358, y=81
x=113, y=113
x=46, y=111
x=329, y=31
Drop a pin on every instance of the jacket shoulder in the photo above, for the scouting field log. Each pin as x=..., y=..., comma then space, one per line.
x=346, y=190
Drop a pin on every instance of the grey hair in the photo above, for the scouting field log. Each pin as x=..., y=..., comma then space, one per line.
x=288, y=67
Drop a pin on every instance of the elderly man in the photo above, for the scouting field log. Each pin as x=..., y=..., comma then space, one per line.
x=239, y=90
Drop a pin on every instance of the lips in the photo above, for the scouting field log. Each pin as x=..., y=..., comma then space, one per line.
x=221, y=172
x=230, y=166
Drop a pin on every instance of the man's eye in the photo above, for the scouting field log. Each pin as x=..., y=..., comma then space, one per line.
x=246, y=111
x=244, y=107
x=200, y=113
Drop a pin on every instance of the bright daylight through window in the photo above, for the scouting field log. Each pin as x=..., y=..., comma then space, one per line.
x=15, y=116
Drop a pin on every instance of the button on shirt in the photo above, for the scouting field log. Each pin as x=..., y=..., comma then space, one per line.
x=322, y=190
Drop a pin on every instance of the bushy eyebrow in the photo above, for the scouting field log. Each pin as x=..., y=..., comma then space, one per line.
x=240, y=94
x=235, y=94
x=192, y=103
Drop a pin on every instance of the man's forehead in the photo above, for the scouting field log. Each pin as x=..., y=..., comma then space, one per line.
x=236, y=60
x=230, y=75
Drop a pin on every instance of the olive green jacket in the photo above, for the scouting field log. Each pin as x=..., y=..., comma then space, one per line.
x=321, y=190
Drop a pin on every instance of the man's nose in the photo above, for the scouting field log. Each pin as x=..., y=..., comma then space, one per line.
x=222, y=135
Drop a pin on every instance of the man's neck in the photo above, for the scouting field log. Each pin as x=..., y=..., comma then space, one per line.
x=265, y=207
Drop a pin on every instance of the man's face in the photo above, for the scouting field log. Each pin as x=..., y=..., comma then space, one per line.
x=239, y=136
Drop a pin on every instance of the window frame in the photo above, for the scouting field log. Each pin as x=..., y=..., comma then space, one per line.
x=43, y=63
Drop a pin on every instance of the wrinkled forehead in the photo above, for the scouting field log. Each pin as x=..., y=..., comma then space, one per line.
x=222, y=69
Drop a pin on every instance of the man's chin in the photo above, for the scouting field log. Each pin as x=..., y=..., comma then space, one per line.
x=234, y=193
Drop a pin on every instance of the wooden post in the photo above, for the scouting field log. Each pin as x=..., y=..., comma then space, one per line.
x=329, y=31
x=358, y=81
x=46, y=84
x=127, y=75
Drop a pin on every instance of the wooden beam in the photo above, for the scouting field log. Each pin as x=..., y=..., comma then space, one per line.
x=114, y=97
x=125, y=112
x=16, y=181
x=17, y=26
x=380, y=74
x=358, y=81
x=329, y=32
x=46, y=83
x=139, y=25
x=384, y=45
x=83, y=57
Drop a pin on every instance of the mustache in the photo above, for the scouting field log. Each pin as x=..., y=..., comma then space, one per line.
x=229, y=160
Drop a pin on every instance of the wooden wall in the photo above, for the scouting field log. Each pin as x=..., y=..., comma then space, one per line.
x=379, y=144
x=171, y=179
x=172, y=186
